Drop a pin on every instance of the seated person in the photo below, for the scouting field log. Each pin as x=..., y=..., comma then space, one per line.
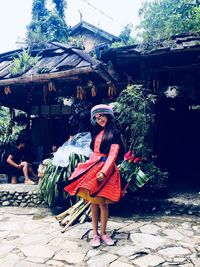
x=17, y=166
x=54, y=148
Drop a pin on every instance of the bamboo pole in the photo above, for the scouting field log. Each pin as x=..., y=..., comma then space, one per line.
x=85, y=216
x=73, y=212
x=75, y=216
x=68, y=211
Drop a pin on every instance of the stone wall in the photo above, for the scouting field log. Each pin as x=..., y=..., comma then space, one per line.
x=174, y=203
x=20, y=195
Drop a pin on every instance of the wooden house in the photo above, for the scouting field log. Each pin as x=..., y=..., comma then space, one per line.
x=93, y=36
x=171, y=70
x=168, y=68
x=61, y=73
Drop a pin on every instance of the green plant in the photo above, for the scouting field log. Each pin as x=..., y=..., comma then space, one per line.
x=138, y=173
x=6, y=135
x=49, y=186
x=125, y=37
x=134, y=115
x=45, y=69
x=22, y=63
x=77, y=41
x=158, y=179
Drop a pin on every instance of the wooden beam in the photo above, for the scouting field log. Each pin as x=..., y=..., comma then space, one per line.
x=12, y=104
x=46, y=77
x=103, y=73
x=175, y=68
x=112, y=71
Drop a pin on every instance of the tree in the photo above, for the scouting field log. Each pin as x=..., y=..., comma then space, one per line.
x=134, y=115
x=6, y=124
x=47, y=25
x=60, y=7
x=39, y=10
x=125, y=37
x=164, y=18
x=125, y=34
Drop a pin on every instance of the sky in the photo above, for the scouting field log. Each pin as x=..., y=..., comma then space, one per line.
x=15, y=15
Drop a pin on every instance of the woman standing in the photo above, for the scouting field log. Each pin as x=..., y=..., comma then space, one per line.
x=98, y=180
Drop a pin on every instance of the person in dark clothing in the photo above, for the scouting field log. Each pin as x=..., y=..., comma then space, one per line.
x=16, y=164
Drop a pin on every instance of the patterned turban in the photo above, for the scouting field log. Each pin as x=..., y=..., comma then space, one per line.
x=100, y=109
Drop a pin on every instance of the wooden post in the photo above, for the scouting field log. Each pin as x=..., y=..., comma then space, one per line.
x=12, y=114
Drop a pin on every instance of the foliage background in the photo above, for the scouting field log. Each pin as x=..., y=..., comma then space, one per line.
x=8, y=134
x=135, y=117
x=134, y=112
x=164, y=18
x=47, y=24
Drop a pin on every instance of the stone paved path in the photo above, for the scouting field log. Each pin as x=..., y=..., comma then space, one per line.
x=31, y=237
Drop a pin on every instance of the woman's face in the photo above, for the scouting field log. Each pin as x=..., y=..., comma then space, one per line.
x=101, y=119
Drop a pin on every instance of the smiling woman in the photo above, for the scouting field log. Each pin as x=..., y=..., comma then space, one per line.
x=97, y=180
x=101, y=119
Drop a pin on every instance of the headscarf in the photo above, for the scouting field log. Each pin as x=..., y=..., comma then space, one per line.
x=100, y=109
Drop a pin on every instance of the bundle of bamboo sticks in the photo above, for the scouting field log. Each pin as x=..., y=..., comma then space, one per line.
x=80, y=211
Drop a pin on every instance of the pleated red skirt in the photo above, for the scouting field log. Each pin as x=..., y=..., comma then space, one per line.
x=88, y=187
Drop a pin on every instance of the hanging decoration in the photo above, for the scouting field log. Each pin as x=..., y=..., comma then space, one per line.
x=80, y=92
x=7, y=90
x=51, y=86
x=111, y=89
x=92, y=87
x=172, y=91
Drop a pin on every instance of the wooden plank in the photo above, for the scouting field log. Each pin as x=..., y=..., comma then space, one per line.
x=112, y=71
x=4, y=64
x=82, y=64
x=68, y=62
x=46, y=62
x=101, y=70
x=86, y=56
x=5, y=72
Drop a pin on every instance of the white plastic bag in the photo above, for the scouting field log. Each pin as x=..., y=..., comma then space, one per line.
x=78, y=144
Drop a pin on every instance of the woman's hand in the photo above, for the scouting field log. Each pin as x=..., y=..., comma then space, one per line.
x=100, y=176
x=19, y=166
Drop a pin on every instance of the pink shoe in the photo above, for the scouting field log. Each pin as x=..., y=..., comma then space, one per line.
x=107, y=240
x=96, y=242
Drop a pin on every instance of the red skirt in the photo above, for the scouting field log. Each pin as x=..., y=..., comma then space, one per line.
x=109, y=189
